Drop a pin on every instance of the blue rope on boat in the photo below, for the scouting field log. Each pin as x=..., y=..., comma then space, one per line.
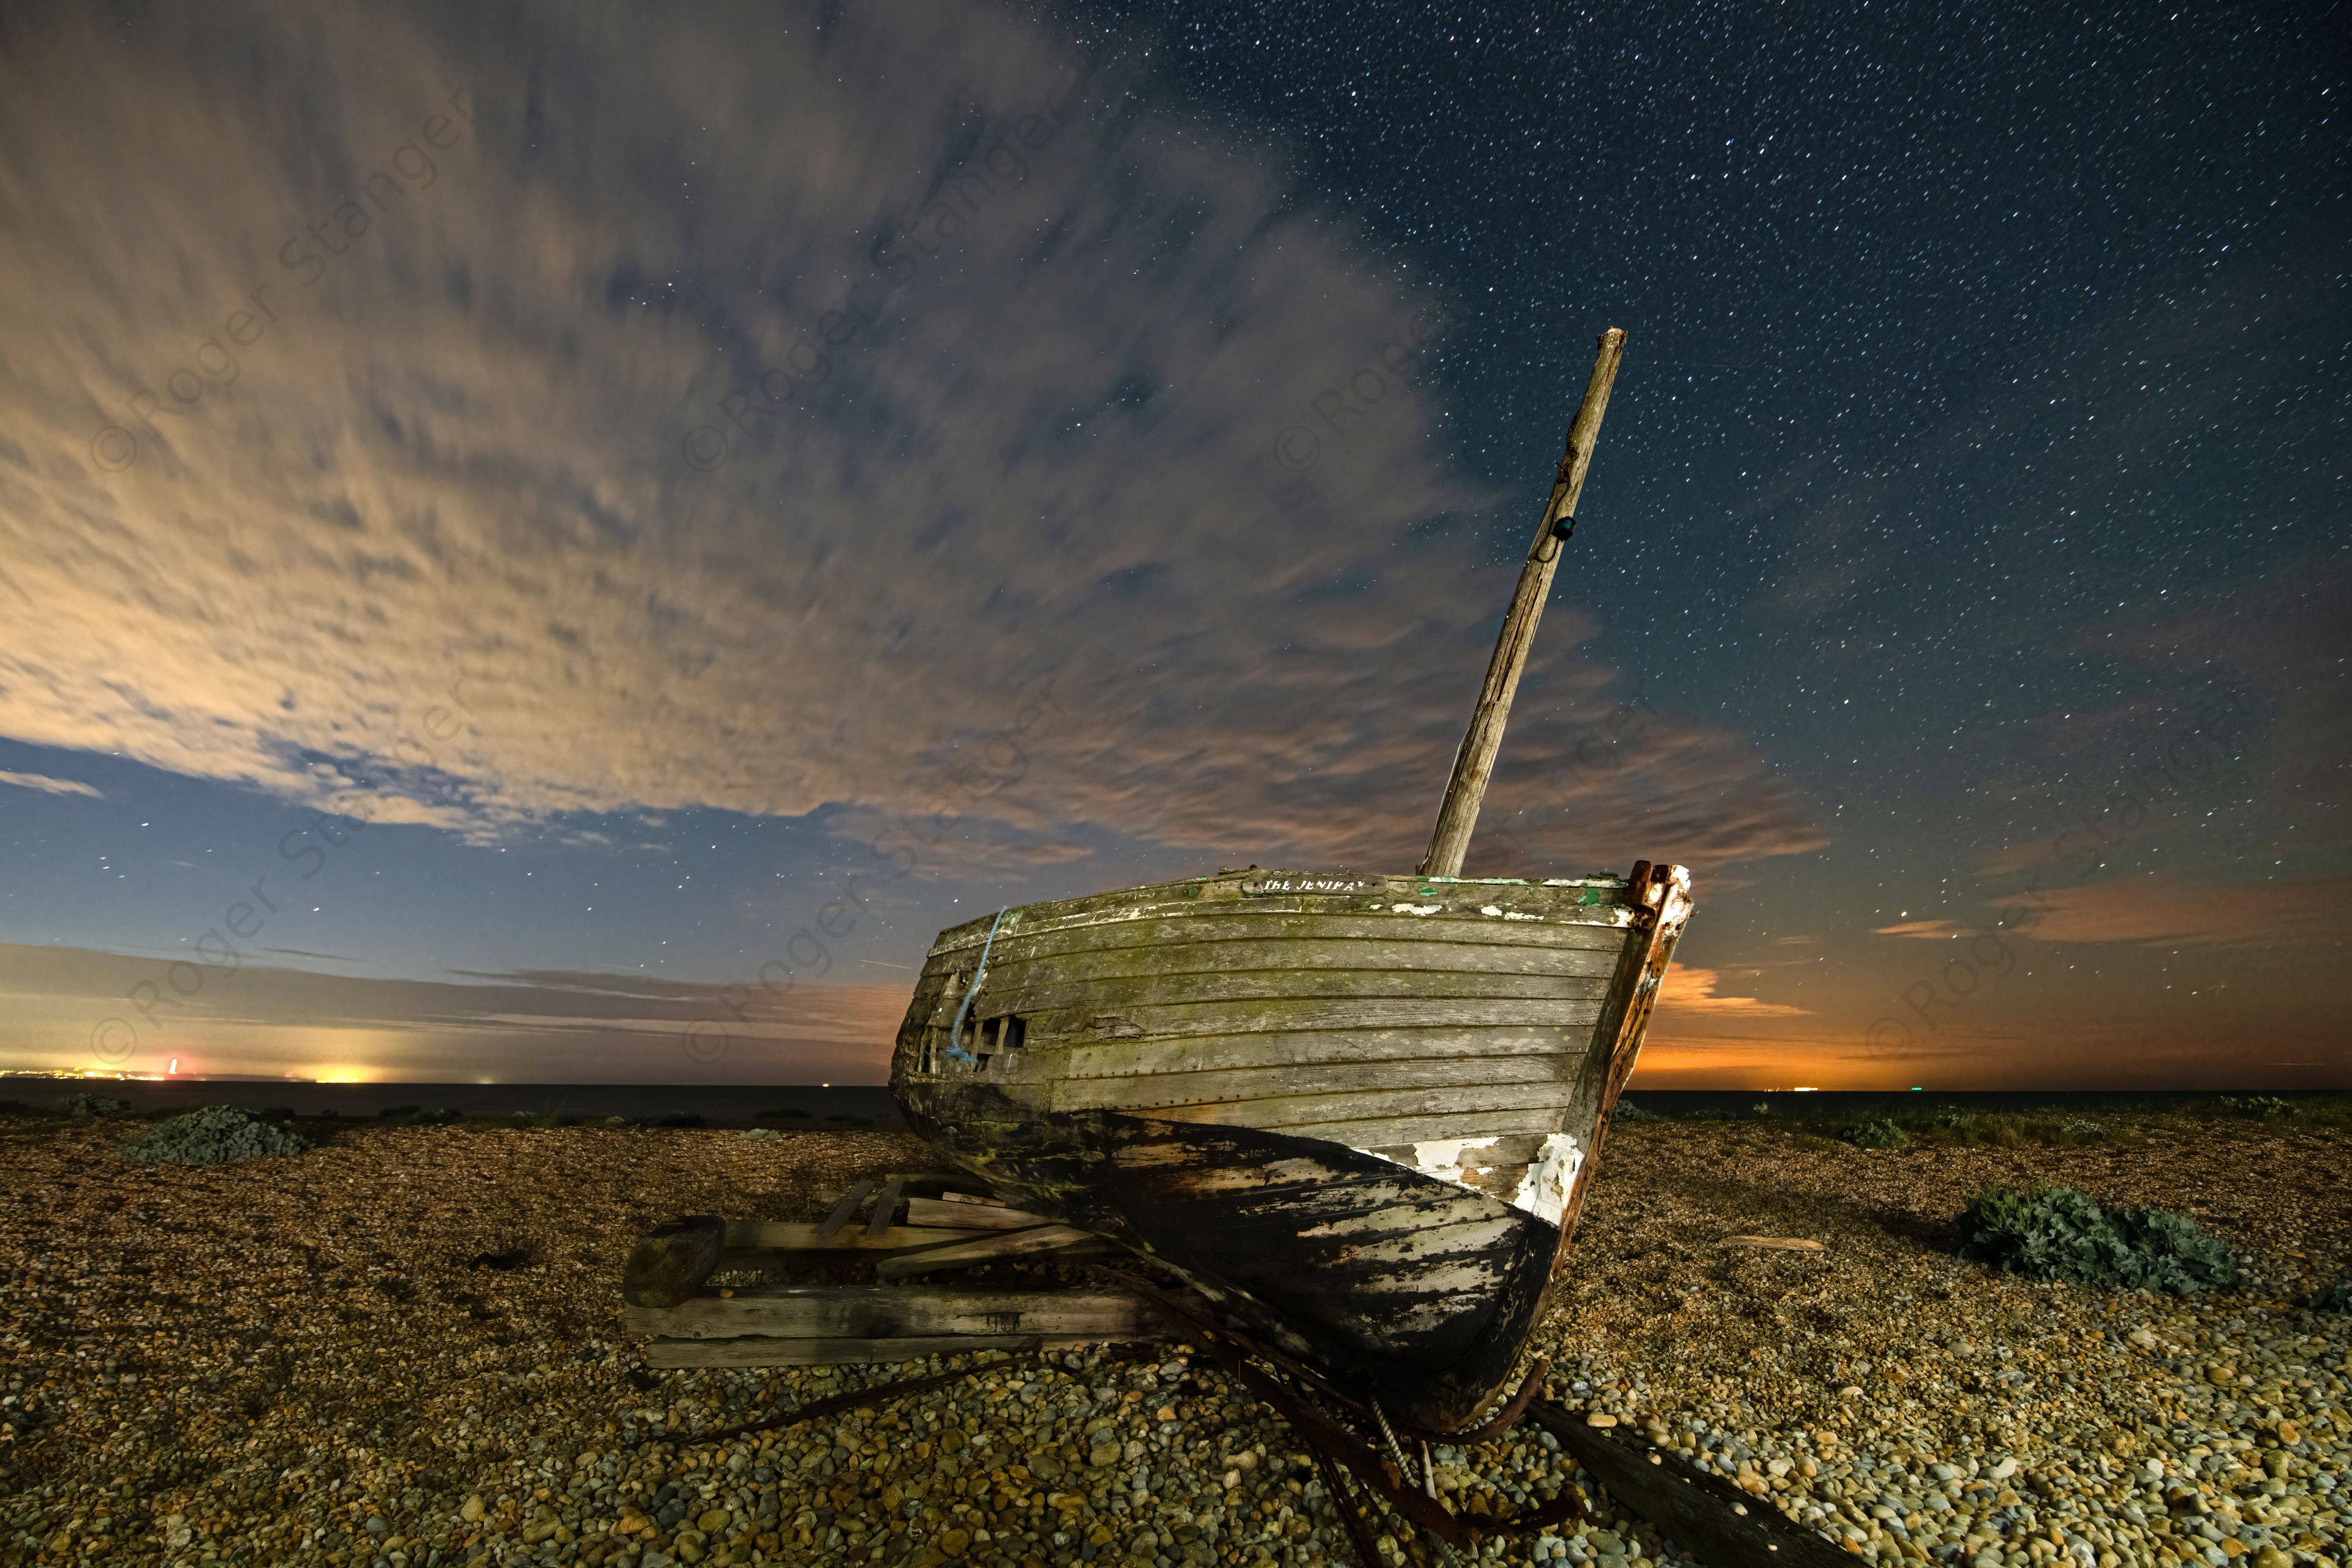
x=955, y=1051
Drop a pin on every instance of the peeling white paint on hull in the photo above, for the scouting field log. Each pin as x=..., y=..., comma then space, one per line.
x=1542, y=1189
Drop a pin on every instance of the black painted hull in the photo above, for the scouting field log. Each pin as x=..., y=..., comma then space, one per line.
x=1389, y=1278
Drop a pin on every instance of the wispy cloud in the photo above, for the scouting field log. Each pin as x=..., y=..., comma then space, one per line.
x=1688, y=996
x=48, y=786
x=534, y=1026
x=2152, y=910
x=1917, y=928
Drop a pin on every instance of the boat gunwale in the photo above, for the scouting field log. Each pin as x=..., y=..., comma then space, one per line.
x=1602, y=918
x=1172, y=892
x=1021, y=999
x=1431, y=930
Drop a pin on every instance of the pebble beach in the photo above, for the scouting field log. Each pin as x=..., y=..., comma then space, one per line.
x=402, y=1349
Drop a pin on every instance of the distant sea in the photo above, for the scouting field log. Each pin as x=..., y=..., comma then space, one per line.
x=740, y=1104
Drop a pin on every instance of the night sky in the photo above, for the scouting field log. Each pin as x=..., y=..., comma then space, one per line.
x=561, y=543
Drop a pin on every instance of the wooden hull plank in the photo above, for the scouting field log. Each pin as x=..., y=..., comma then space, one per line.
x=1241, y=1089
x=870, y=1313
x=1045, y=963
x=672, y=1354
x=1148, y=1058
x=1250, y=1015
x=1145, y=931
x=1005, y=1246
x=1467, y=1108
x=886, y=1209
x=1009, y=988
x=935, y=1214
x=747, y=1238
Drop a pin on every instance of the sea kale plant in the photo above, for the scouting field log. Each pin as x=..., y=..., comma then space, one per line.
x=1880, y=1134
x=213, y=1136
x=2057, y=1233
x=81, y=1105
x=2258, y=1105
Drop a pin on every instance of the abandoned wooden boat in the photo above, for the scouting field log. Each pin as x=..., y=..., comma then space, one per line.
x=1360, y=1112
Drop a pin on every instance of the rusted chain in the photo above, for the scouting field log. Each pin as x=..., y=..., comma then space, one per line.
x=1330, y=1441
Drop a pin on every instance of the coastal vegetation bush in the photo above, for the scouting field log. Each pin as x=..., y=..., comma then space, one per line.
x=213, y=1136
x=1880, y=1134
x=2058, y=1233
x=2083, y=1131
x=1628, y=1112
x=550, y=1119
x=85, y=1105
x=417, y=1116
x=2336, y=1297
x=2256, y=1105
x=761, y=1134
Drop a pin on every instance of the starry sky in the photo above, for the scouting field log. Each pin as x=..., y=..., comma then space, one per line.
x=564, y=543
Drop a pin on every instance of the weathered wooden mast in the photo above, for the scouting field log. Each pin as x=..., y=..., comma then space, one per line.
x=1475, y=763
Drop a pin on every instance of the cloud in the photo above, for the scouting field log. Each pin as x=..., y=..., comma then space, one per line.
x=525, y=1027
x=48, y=786
x=2152, y=910
x=429, y=537
x=1917, y=928
x=1688, y=996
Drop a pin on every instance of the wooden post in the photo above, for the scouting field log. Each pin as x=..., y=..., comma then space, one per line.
x=1475, y=763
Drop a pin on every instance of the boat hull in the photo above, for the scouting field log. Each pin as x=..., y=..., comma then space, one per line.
x=1360, y=1112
